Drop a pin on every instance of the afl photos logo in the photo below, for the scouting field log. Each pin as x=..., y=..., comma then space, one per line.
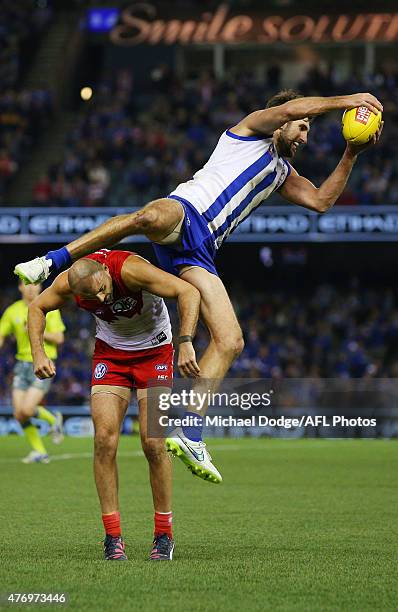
x=100, y=370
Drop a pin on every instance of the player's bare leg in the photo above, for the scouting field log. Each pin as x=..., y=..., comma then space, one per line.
x=217, y=313
x=226, y=343
x=160, y=469
x=108, y=410
x=156, y=220
x=25, y=405
x=160, y=475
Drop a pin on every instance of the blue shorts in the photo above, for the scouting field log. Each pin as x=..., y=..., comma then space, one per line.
x=196, y=248
x=24, y=378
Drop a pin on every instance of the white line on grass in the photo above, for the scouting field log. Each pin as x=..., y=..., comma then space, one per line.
x=139, y=453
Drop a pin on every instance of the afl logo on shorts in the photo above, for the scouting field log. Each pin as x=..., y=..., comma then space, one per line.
x=100, y=370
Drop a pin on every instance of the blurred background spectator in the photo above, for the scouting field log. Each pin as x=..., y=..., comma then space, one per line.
x=130, y=146
x=328, y=333
x=24, y=113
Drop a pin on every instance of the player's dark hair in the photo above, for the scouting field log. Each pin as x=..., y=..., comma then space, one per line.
x=283, y=96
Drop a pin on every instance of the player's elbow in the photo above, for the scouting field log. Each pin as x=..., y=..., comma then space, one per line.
x=59, y=338
x=288, y=112
x=293, y=110
x=194, y=294
x=189, y=293
x=35, y=307
x=319, y=203
x=323, y=206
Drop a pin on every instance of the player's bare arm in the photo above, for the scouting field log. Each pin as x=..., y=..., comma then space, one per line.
x=137, y=273
x=268, y=120
x=299, y=190
x=52, y=298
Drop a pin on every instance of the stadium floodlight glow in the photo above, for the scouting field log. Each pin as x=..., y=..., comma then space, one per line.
x=86, y=93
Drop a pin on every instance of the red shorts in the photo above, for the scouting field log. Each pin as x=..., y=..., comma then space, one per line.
x=132, y=369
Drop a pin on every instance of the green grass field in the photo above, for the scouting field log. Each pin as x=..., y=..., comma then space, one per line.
x=296, y=525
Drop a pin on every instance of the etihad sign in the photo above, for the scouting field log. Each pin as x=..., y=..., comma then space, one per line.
x=140, y=24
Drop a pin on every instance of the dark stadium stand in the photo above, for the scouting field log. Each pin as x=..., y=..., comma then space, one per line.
x=328, y=333
x=24, y=112
x=128, y=147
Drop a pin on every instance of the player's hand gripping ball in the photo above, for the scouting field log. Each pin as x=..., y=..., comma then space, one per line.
x=360, y=124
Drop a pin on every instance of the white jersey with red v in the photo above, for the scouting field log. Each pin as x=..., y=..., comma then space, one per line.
x=134, y=320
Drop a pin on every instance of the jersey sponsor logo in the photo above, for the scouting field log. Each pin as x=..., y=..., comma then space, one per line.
x=362, y=115
x=100, y=370
x=123, y=307
x=161, y=366
x=159, y=338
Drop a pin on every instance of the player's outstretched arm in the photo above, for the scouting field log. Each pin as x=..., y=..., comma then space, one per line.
x=299, y=190
x=137, y=273
x=52, y=298
x=268, y=120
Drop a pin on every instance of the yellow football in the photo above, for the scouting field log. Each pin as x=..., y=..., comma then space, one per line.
x=360, y=124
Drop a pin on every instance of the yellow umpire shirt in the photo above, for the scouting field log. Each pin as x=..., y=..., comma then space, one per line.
x=14, y=322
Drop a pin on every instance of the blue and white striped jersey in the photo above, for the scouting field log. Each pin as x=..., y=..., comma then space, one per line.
x=241, y=173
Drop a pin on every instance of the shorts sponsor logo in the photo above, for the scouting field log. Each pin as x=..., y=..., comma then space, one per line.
x=163, y=376
x=161, y=366
x=100, y=370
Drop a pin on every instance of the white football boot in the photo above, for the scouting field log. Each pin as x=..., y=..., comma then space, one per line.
x=36, y=457
x=34, y=271
x=195, y=456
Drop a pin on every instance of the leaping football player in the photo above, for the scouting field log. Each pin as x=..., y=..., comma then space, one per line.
x=133, y=349
x=251, y=160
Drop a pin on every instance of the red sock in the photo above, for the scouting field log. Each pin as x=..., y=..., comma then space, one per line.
x=112, y=524
x=164, y=523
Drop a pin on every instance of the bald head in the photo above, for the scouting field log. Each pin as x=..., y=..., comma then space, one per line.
x=81, y=275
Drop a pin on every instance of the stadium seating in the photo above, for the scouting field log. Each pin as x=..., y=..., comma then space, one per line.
x=329, y=333
x=128, y=146
x=23, y=113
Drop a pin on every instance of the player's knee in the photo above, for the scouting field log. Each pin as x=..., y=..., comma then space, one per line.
x=22, y=415
x=239, y=345
x=148, y=219
x=154, y=449
x=105, y=443
x=231, y=345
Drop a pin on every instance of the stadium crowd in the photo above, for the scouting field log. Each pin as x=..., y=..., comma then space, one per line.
x=329, y=333
x=130, y=146
x=23, y=113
